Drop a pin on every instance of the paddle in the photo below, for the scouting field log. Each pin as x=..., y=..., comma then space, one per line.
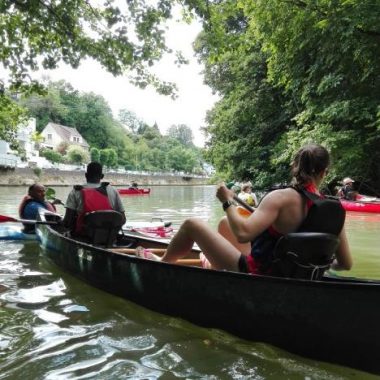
x=4, y=219
x=244, y=204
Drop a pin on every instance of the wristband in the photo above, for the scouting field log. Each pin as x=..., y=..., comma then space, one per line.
x=227, y=204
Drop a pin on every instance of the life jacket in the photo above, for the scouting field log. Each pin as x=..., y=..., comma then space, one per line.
x=93, y=199
x=31, y=228
x=324, y=215
x=27, y=199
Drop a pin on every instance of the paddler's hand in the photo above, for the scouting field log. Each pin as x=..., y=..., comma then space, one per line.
x=223, y=193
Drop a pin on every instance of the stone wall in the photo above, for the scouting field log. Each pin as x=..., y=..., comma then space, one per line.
x=54, y=177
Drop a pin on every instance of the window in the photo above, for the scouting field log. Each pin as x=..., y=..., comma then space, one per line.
x=49, y=137
x=76, y=139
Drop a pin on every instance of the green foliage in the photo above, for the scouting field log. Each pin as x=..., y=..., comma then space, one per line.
x=11, y=115
x=289, y=73
x=51, y=155
x=95, y=154
x=37, y=171
x=77, y=155
x=121, y=37
x=111, y=144
x=129, y=120
x=104, y=156
x=182, y=133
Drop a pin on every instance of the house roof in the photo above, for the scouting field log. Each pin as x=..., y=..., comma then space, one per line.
x=67, y=132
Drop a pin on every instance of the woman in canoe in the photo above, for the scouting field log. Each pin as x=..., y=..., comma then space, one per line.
x=279, y=213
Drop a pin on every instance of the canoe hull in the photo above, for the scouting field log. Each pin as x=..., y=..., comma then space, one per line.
x=358, y=206
x=134, y=191
x=325, y=320
x=15, y=233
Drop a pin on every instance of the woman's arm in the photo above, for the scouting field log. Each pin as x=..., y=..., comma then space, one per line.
x=343, y=259
x=247, y=229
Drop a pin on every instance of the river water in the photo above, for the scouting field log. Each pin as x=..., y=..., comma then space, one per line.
x=53, y=326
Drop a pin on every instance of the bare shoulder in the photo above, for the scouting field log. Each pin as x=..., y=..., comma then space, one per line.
x=281, y=196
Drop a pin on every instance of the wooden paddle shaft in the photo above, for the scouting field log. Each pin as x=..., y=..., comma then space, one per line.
x=132, y=251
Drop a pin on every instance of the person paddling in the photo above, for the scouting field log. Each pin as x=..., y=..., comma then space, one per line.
x=91, y=196
x=31, y=203
x=279, y=213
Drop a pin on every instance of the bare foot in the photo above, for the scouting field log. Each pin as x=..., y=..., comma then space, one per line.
x=205, y=263
x=145, y=253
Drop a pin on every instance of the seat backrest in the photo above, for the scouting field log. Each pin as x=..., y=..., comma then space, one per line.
x=101, y=227
x=304, y=255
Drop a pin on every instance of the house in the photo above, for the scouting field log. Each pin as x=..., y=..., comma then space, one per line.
x=55, y=134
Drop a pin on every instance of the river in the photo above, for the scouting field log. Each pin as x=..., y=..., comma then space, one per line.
x=53, y=326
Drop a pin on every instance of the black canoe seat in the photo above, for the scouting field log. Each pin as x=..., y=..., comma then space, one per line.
x=304, y=255
x=101, y=227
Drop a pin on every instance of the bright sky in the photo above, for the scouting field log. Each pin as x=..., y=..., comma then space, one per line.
x=194, y=98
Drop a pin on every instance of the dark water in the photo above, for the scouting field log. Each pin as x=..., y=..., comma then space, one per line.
x=53, y=326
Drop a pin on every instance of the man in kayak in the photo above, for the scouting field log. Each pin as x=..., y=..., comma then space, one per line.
x=246, y=194
x=91, y=196
x=281, y=212
x=347, y=191
x=31, y=203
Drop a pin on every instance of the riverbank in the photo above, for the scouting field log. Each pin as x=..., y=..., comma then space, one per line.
x=54, y=177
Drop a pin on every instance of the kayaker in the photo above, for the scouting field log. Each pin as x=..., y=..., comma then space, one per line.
x=31, y=203
x=247, y=195
x=347, y=190
x=279, y=213
x=91, y=196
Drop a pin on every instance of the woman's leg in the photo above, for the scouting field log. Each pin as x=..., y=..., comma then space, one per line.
x=225, y=230
x=219, y=251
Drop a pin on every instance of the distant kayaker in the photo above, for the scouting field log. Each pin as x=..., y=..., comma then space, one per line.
x=91, y=196
x=247, y=195
x=31, y=203
x=347, y=190
x=280, y=212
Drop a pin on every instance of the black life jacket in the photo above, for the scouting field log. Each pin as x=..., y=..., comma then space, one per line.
x=325, y=215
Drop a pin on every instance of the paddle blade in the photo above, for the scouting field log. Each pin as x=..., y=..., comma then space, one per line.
x=4, y=218
x=243, y=212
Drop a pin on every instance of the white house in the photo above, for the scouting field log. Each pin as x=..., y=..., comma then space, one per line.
x=55, y=134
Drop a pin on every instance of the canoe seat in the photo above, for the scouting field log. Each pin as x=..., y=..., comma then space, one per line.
x=101, y=227
x=305, y=255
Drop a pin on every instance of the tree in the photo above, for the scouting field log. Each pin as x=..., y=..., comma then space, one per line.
x=182, y=133
x=39, y=34
x=37, y=138
x=130, y=120
x=289, y=73
x=62, y=147
x=104, y=156
x=77, y=155
x=11, y=115
x=94, y=154
x=112, y=158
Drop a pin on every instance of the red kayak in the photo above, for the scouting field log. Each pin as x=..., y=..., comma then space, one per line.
x=134, y=191
x=361, y=206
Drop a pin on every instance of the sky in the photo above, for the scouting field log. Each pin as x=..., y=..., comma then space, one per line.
x=189, y=108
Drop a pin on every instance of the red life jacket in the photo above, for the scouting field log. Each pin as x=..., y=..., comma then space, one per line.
x=94, y=199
